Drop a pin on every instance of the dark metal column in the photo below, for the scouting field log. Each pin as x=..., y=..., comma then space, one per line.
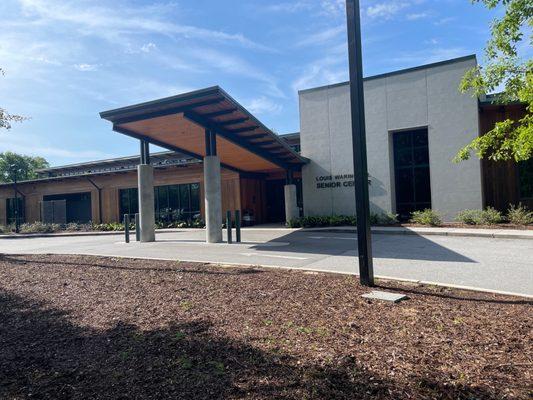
x=289, y=177
x=210, y=143
x=364, y=240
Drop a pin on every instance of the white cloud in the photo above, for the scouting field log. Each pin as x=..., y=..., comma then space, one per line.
x=444, y=21
x=289, y=7
x=105, y=22
x=415, y=16
x=86, y=67
x=148, y=47
x=331, y=8
x=432, y=41
x=35, y=146
x=334, y=7
x=323, y=71
x=428, y=56
x=386, y=10
x=323, y=36
x=236, y=66
x=263, y=105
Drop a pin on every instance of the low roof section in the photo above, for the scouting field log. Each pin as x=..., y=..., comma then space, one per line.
x=179, y=123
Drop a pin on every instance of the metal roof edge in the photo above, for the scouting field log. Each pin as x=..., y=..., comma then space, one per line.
x=397, y=72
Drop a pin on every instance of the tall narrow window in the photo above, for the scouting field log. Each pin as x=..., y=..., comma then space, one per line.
x=525, y=173
x=411, y=167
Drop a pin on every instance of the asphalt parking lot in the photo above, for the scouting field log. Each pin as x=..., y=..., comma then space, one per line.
x=504, y=265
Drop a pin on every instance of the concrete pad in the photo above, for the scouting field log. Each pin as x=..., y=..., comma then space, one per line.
x=385, y=296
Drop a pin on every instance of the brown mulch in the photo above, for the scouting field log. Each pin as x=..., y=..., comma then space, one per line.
x=80, y=327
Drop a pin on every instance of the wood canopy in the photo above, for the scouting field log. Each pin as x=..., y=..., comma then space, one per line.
x=179, y=123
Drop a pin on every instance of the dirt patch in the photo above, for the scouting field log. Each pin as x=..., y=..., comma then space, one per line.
x=79, y=327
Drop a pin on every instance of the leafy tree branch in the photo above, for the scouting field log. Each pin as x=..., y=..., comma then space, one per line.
x=509, y=139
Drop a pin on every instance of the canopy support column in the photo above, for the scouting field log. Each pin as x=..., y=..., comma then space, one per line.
x=212, y=189
x=291, y=203
x=146, y=195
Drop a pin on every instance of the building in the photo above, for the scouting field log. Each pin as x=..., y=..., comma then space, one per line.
x=222, y=158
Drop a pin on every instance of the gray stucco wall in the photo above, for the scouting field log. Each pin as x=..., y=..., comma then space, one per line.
x=426, y=97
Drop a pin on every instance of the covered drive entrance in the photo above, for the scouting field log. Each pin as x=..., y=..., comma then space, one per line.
x=211, y=126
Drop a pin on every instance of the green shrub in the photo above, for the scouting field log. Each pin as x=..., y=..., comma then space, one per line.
x=491, y=216
x=109, y=227
x=426, y=217
x=39, y=227
x=387, y=219
x=340, y=220
x=519, y=215
x=470, y=217
x=488, y=216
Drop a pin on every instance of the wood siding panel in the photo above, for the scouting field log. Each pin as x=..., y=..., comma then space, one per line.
x=500, y=179
x=253, y=198
x=112, y=183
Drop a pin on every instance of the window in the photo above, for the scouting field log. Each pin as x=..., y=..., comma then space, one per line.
x=411, y=166
x=172, y=202
x=10, y=210
x=129, y=202
x=525, y=176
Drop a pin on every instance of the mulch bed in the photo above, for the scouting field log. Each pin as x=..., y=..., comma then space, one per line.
x=80, y=327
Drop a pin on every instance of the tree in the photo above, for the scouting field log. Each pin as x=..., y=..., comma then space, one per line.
x=505, y=68
x=5, y=117
x=20, y=166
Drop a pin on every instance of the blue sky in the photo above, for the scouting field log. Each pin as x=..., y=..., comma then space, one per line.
x=65, y=61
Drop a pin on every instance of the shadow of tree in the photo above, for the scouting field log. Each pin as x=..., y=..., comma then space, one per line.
x=18, y=259
x=46, y=355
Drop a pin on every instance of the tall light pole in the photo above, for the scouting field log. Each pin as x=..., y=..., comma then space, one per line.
x=364, y=240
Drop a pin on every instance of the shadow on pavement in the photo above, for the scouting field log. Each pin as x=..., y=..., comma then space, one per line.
x=404, y=247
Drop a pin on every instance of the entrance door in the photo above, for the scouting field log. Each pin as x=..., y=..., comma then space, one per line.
x=275, y=198
x=411, y=170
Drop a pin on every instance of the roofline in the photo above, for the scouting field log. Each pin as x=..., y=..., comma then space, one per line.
x=159, y=102
x=112, y=115
x=290, y=135
x=393, y=73
x=87, y=175
x=105, y=161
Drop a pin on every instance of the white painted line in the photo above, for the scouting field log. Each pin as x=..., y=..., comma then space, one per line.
x=332, y=237
x=272, y=256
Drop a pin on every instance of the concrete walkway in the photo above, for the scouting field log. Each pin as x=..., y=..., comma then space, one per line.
x=493, y=264
x=382, y=230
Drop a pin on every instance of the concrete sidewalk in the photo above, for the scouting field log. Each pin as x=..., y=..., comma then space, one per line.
x=486, y=263
x=379, y=230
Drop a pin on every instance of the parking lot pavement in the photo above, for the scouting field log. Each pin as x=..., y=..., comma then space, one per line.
x=487, y=263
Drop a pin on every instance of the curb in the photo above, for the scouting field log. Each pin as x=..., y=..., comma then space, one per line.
x=379, y=231
x=82, y=234
x=308, y=270
x=376, y=231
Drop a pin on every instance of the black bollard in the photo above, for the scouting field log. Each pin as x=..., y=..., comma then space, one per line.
x=238, y=226
x=137, y=228
x=126, y=228
x=228, y=226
